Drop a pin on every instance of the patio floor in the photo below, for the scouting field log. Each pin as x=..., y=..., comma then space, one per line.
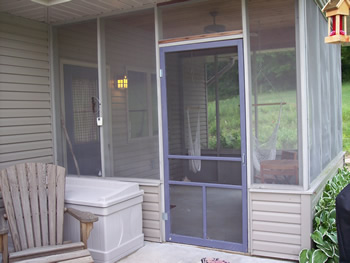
x=179, y=253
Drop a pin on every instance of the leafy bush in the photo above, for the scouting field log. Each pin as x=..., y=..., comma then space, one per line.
x=325, y=234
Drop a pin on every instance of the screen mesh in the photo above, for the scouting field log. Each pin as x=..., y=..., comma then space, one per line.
x=324, y=93
x=274, y=119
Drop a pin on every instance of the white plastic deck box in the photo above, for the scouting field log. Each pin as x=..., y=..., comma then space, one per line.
x=118, y=205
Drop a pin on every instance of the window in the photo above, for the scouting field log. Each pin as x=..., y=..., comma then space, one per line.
x=142, y=104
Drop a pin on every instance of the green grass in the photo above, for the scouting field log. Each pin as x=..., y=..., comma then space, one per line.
x=267, y=119
x=346, y=116
x=287, y=136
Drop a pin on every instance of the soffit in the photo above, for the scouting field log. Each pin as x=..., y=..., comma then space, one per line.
x=74, y=10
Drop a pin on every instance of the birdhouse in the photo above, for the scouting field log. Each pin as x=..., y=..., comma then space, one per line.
x=337, y=12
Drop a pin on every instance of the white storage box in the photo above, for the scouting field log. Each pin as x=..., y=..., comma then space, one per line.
x=118, y=231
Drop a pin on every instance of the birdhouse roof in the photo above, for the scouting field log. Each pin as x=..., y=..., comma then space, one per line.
x=334, y=4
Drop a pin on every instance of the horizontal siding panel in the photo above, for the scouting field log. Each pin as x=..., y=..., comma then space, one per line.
x=276, y=217
x=24, y=79
x=293, y=208
x=150, y=189
x=22, y=31
x=9, y=43
x=24, y=71
x=25, y=95
x=7, y=95
x=15, y=53
x=24, y=121
x=276, y=237
x=143, y=157
x=22, y=22
x=150, y=207
x=24, y=87
x=275, y=255
x=139, y=155
x=142, y=165
x=131, y=172
x=154, y=233
x=25, y=155
x=24, y=39
x=150, y=215
x=273, y=247
x=25, y=138
x=153, y=239
x=24, y=62
x=17, y=147
x=24, y=104
x=274, y=227
x=152, y=198
x=118, y=100
x=14, y=130
x=41, y=159
x=150, y=174
x=24, y=113
x=151, y=224
x=276, y=197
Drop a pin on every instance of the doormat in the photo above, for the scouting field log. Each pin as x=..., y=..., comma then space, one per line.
x=213, y=260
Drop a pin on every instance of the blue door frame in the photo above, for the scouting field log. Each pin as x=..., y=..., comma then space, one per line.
x=242, y=247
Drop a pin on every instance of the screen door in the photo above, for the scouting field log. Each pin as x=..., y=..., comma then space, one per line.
x=204, y=144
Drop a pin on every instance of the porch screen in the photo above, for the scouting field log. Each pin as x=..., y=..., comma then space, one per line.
x=199, y=17
x=77, y=51
x=130, y=54
x=324, y=89
x=274, y=119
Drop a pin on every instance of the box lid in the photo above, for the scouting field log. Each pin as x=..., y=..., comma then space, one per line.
x=99, y=192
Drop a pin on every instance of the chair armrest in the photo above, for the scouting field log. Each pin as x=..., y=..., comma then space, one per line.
x=86, y=219
x=83, y=217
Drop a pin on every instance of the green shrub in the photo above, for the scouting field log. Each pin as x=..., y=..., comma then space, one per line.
x=325, y=234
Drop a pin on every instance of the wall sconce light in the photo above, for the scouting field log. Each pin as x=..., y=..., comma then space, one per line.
x=337, y=11
x=122, y=83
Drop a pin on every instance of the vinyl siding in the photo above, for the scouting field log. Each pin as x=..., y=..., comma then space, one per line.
x=151, y=212
x=276, y=225
x=281, y=221
x=25, y=96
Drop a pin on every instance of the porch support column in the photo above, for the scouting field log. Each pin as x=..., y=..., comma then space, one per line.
x=103, y=97
x=247, y=90
x=158, y=35
x=302, y=95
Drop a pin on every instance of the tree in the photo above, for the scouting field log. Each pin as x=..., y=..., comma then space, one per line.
x=345, y=61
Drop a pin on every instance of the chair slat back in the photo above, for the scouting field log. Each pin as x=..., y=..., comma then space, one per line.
x=33, y=195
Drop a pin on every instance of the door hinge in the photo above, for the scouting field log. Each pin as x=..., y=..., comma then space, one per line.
x=243, y=158
x=165, y=216
x=160, y=73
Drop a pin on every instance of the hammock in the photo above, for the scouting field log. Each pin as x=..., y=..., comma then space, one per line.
x=194, y=146
x=266, y=150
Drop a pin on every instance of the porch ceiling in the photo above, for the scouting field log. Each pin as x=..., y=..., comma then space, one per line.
x=71, y=11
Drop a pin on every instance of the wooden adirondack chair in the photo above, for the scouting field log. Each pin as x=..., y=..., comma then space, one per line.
x=33, y=195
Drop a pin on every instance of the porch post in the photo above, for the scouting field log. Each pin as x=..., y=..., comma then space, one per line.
x=103, y=91
x=302, y=98
x=158, y=34
x=247, y=90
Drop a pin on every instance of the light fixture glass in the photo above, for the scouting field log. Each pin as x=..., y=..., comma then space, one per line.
x=122, y=83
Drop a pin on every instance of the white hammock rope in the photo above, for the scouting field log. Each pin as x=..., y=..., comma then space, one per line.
x=266, y=150
x=194, y=146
